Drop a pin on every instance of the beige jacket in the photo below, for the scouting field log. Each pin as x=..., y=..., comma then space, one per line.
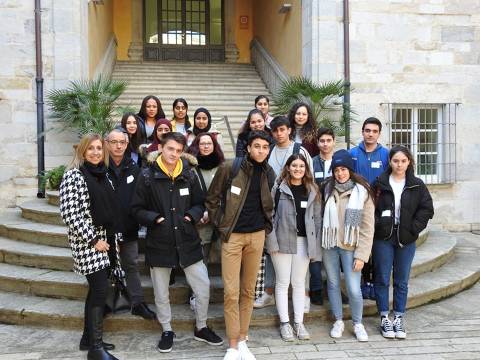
x=367, y=227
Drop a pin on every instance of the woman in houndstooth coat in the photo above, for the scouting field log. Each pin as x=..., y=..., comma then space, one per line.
x=87, y=206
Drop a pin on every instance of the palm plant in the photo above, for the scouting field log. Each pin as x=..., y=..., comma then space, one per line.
x=87, y=105
x=323, y=98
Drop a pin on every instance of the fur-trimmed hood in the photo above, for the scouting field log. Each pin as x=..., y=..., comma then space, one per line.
x=152, y=157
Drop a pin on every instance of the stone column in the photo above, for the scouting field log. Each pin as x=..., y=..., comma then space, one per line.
x=231, y=49
x=135, y=51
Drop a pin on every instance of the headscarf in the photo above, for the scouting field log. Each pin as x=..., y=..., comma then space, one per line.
x=154, y=145
x=196, y=130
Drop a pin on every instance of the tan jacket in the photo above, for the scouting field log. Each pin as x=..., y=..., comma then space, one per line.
x=367, y=227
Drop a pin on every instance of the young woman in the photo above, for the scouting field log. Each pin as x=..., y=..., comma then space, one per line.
x=304, y=127
x=202, y=123
x=255, y=121
x=88, y=208
x=293, y=240
x=180, y=122
x=209, y=155
x=347, y=236
x=262, y=103
x=130, y=122
x=403, y=208
x=150, y=111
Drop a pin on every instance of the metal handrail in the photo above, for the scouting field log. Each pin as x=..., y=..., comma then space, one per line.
x=224, y=119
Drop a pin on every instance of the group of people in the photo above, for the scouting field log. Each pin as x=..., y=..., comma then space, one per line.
x=287, y=201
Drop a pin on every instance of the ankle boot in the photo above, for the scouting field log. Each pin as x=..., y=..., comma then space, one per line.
x=95, y=332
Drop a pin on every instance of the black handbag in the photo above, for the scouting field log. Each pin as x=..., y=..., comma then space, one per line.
x=117, y=297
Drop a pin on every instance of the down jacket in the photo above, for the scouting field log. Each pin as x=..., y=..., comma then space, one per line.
x=283, y=237
x=416, y=208
x=75, y=212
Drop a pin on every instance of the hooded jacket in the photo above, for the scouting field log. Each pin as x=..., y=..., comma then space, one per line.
x=369, y=165
x=416, y=208
x=173, y=242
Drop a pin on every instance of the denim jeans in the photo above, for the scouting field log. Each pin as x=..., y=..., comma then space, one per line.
x=316, y=283
x=269, y=272
x=387, y=254
x=331, y=261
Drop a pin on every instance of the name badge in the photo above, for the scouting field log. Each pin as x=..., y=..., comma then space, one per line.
x=376, y=165
x=184, y=192
x=318, y=174
x=303, y=204
x=130, y=179
x=386, y=213
x=235, y=190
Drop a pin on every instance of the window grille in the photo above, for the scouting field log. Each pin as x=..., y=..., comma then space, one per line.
x=429, y=131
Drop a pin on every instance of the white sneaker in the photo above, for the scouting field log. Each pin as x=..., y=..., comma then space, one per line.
x=192, y=302
x=306, y=308
x=286, y=332
x=245, y=353
x=264, y=301
x=337, y=329
x=360, y=332
x=301, y=332
x=232, y=354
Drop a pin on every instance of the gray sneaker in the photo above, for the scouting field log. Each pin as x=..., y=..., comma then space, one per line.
x=286, y=332
x=301, y=332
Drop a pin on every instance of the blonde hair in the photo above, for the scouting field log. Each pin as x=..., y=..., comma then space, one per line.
x=81, y=148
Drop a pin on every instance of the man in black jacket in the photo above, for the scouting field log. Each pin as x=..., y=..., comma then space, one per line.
x=123, y=173
x=168, y=200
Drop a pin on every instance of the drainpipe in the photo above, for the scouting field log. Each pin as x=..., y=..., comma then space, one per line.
x=346, y=70
x=39, y=101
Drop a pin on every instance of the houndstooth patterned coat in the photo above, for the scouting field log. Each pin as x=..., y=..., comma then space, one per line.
x=75, y=212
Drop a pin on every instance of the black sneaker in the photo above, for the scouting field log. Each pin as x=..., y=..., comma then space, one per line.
x=207, y=335
x=316, y=297
x=386, y=328
x=166, y=342
x=142, y=310
x=399, y=327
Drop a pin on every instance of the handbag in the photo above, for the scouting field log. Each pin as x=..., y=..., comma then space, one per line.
x=117, y=297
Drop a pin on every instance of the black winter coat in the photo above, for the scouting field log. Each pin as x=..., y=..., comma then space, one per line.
x=124, y=185
x=174, y=241
x=416, y=208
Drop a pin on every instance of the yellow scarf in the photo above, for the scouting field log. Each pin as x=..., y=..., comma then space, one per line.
x=177, y=171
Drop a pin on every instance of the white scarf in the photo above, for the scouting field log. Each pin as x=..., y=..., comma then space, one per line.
x=353, y=219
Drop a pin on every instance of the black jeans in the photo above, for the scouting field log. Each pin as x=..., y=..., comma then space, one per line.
x=98, y=284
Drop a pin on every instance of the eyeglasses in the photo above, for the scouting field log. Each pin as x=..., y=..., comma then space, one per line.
x=117, y=142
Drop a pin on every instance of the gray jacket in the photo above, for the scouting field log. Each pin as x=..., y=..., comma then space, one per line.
x=283, y=237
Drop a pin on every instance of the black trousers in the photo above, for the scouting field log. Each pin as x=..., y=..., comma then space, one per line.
x=98, y=284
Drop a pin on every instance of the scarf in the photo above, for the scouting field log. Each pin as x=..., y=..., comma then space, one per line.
x=353, y=216
x=176, y=172
x=208, y=162
x=103, y=203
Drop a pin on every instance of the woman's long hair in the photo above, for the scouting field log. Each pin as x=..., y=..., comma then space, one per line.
x=81, y=148
x=309, y=130
x=135, y=140
x=194, y=148
x=307, y=179
x=184, y=102
x=143, y=108
x=406, y=152
x=245, y=129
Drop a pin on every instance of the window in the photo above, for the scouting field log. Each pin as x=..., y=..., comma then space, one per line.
x=428, y=130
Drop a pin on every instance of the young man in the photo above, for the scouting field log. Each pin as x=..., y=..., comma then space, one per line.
x=168, y=200
x=321, y=173
x=370, y=158
x=284, y=147
x=242, y=221
x=123, y=173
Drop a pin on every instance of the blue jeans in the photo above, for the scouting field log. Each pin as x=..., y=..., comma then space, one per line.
x=331, y=260
x=387, y=254
x=316, y=283
x=269, y=273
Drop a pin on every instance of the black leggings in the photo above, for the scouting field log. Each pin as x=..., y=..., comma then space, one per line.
x=97, y=292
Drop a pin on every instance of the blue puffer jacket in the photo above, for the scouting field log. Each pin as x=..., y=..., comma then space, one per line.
x=370, y=165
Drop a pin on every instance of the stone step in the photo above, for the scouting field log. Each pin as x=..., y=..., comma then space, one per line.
x=68, y=285
x=16, y=308
x=52, y=197
x=42, y=212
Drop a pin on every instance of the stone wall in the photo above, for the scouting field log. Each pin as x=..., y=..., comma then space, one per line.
x=65, y=57
x=409, y=51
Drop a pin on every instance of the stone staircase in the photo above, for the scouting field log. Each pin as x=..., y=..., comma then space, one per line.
x=224, y=89
x=37, y=286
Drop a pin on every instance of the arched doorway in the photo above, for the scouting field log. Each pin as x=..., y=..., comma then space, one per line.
x=185, y=30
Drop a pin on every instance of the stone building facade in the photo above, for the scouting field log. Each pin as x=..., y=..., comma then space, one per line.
x=404, y=54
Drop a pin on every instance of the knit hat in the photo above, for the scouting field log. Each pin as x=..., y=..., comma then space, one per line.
x=342, y=158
